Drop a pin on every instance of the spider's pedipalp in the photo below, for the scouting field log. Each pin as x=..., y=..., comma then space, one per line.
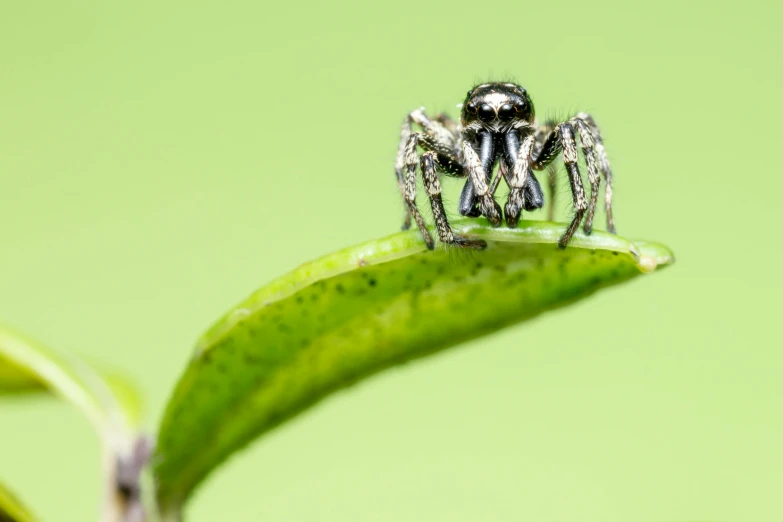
x=487, y=205
x=518, y=175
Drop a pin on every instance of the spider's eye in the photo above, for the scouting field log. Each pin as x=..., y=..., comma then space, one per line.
x=506, y=112
x=485, y=113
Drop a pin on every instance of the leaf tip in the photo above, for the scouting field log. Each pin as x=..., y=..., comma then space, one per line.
x=653, y=256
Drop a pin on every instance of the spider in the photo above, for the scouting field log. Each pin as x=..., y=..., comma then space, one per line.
x=498, y=126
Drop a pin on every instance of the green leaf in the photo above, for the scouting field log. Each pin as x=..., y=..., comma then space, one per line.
x=357, y=311
x=27, y=365
x=11, y=510
x=15, y=379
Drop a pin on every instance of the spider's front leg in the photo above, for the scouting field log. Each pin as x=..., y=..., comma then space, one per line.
x=479, y=181
x=432, y=185
x=441, y=141
x=399, y=164
x=439, y=134
x=408, y=187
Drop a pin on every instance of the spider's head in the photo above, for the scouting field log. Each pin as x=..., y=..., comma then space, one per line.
x=497, y=107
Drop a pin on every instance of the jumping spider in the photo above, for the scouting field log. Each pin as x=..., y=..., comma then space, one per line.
x=498, y=125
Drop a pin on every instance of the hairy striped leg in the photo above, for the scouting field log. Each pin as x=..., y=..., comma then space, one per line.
x=603, y=162
x=432, y=185
x=439, y=135
x=409, y=187
x=566, y=133
x=545, y=151
x=588, y=150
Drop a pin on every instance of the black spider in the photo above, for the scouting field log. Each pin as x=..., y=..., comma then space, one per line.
x=498, y=125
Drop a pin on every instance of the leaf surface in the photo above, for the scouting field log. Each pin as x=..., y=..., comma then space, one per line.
x=350, y=314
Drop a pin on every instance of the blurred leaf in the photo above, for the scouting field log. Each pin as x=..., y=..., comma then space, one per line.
x=125, y=393
x=11, y=510
x=28, y=365
x=15, y=379
x=341, y=318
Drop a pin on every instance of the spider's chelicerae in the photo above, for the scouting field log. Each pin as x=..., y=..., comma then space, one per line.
x=498, y=126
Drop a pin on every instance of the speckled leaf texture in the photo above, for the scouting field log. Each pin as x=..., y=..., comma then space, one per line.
x=348, y=315
x=11, y=510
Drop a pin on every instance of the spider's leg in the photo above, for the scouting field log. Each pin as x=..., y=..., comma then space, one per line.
x=442, y=139
x=436, y=137
x=448, y=122
x=588, y=150
x=606, y=169
x=399, y=164
x=479, y=179
x=432, y=185
x=566, y=132
x=547, y=139
x=518, y=156
x=409, y=189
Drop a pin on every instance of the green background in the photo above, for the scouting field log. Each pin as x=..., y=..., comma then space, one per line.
x=158, y=162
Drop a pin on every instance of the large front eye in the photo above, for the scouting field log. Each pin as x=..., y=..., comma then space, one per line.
x=506, y=112
x=485, y=113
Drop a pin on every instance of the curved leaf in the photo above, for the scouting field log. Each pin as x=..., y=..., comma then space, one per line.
x=15, y=379
x=27, y=365
x=350, y=314
x=11, y=510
